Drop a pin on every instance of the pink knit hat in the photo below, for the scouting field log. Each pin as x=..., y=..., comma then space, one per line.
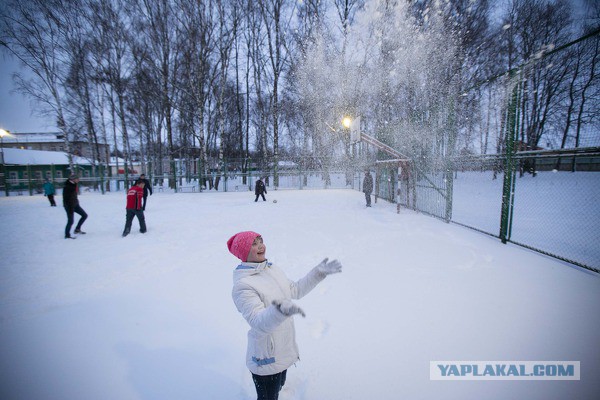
x=239, y=244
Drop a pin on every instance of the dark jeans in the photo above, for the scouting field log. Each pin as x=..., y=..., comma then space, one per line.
x=70, y=217
x=368, y=198
x=260, y=194
x=144, y=203
x=268, y=386
x=51, y=200
x=129, y=219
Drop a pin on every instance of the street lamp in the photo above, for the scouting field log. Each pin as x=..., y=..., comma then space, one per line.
x=347, y=122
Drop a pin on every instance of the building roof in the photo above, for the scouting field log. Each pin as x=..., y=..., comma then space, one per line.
x=38, y=137
x=39, y=157
x=34, y=137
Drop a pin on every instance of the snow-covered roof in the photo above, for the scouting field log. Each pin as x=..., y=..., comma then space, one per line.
x=37, y=137
x=39, y=157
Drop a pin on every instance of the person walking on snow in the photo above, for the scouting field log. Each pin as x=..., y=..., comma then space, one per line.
x=134, y=208
x=263, y=295
x=260, y=190
x=368, y=187
x=71, y=204
x=49, y=192
x=147, y=189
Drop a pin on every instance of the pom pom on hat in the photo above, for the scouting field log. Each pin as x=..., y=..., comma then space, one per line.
x=239, y=244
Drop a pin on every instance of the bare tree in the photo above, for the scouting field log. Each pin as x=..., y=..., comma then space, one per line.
x=79, y=82
x=35, y=32
x=276, y=19
x=157, y=21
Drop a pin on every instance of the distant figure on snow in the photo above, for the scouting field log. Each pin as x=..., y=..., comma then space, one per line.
x=368, y=187
x=262, y=293
x=134, y=208
x=260, y=190
x=147, y=188
x=49, y=192
x=71, y=204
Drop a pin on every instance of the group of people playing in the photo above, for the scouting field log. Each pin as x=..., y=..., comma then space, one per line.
x=136, y=201
x=135, y=206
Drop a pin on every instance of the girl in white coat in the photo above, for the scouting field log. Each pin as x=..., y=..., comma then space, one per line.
x=262, y=293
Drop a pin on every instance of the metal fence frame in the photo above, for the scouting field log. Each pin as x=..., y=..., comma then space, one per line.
x=426, y=192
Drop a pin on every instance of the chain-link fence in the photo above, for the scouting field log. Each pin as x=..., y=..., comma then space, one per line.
x=217, y=181
x=551, y=207
x=556, y=211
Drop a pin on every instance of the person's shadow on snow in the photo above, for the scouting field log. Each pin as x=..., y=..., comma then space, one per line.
x=175, y=374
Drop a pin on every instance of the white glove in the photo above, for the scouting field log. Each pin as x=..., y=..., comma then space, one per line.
x=329, y=267
x=288, y=308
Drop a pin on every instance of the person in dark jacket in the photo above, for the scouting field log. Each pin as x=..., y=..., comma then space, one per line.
x=49, y=192
x=147, y=189
x=71, y=204
x=368, y=187
x=260, y=189
x=134, y=207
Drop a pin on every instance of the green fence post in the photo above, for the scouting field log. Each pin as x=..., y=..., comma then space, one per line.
x=4, y=173
x=509, y=168
x=449, y=176
x=29, y=183
x=101, y=172
x=225, y=168
x=201, y=173
x=173, y=178
x=249, y=180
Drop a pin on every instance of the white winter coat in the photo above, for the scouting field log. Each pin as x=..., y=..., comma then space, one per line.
x=272, y=344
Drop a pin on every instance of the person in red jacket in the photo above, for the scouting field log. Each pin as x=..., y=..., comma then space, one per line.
x=135, y=197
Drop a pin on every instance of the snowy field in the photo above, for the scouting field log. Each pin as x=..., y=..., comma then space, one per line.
x=151, y=316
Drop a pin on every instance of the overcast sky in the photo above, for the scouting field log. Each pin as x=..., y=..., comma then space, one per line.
x=15, y=110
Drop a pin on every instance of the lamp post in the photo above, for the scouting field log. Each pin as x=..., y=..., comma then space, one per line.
x=3, y=133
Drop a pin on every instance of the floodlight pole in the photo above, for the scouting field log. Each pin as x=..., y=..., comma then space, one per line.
x=509, y=167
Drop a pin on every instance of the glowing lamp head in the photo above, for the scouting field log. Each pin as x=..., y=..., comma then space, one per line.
x=347, y=122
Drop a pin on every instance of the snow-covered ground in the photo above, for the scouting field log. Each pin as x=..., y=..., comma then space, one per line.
x=151, y=316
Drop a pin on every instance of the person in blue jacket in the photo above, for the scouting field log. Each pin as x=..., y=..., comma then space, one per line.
x=49, y=192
